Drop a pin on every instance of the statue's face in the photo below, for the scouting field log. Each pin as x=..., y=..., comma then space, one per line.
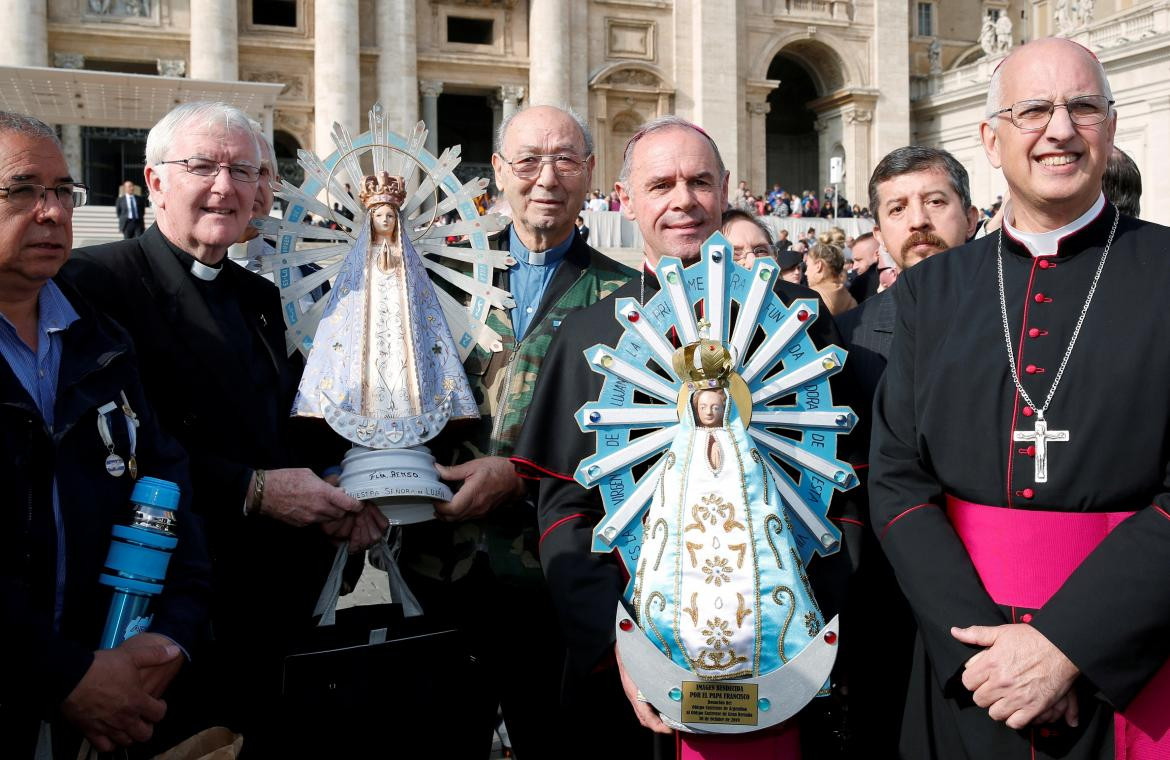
x=709, y=406
x=383, y=219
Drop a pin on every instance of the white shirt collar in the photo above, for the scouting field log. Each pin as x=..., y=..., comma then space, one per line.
x=204, y=272
x=1048, y=243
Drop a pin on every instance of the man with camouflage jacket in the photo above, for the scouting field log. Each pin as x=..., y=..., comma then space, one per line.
x=477, y=567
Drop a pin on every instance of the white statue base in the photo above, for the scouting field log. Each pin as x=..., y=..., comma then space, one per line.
x=402, y=483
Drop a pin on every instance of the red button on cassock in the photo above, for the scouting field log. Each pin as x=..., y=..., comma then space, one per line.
x=1028, y=411
x=1030, y=369
x=1031, y=451
x=1044, y=263
x=1039, y=298
x=1027, y=493
x=1034, y=332
x=1026, y=617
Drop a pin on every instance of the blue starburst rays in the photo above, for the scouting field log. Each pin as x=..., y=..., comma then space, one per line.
x=794, y=422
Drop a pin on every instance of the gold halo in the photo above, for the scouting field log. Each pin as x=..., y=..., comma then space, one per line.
x=425, y=170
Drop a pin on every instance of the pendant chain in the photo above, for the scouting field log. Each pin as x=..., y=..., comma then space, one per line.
x=1007, y=330
x=642, y=291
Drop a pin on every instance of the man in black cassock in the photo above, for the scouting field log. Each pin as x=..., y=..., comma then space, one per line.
x=211, y=338
x=674, y=185
x=994, y=496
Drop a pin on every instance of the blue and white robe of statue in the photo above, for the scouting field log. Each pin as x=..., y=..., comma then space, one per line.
x=720, y=588
x=383, y=369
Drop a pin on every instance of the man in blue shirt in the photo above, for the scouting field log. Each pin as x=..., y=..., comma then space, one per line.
x=61, y=364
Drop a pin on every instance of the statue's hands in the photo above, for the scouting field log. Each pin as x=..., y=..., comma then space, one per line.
x=488, y=482
x=298, y=497
x=645, y=712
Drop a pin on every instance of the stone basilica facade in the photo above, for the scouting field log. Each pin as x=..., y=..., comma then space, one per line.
x=783, y=86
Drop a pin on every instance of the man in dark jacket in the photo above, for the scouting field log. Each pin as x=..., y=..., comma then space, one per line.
x=130, y=211
x=223, y=384
x=61, y=364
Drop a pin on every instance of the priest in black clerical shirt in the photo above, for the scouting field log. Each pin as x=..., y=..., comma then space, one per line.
x=674, y=185
x=1018, y=469
x=210, y=337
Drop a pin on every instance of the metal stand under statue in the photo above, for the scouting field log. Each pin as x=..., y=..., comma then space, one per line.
x=719, y=628
x=385, y=347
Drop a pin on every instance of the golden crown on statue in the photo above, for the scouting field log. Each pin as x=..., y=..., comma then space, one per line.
x=380, y=189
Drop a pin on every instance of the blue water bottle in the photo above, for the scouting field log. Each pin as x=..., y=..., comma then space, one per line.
x=137, y=563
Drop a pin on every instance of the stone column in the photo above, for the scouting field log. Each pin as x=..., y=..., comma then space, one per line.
x=430, y=112
x=497, y=107
x=510, y=97
x=891, y=63
x=757, y=155
x=71, y=133
x=397, y=63
x=855, y=138
x=215, y=43
x=26, y=33
x=715, y=79
x=550, y=53
x=336, y=74
x=1155, y=178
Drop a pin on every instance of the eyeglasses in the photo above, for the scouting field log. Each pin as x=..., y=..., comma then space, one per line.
x=1084, y=111
x=529, y=166
x=758, y=251
x=207, y=168
x=26, y=195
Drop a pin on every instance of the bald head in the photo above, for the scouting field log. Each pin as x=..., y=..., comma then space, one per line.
x=545, y=115
x=1023, y=58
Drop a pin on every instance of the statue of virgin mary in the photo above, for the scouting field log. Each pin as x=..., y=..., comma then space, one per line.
x=720, y=587
x=384, y=370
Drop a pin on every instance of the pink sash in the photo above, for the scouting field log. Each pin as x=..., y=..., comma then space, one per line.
x=782, y=743
x=1023, y=557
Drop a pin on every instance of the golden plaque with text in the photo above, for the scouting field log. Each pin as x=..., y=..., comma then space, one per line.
x=732, y=703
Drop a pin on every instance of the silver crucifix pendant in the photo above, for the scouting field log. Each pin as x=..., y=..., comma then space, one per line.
x=1040, y=438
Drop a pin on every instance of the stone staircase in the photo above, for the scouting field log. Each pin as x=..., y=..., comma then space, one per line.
x=99, y=224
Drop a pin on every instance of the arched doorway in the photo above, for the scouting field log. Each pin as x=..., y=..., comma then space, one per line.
x=286, y=147
x=792, y=142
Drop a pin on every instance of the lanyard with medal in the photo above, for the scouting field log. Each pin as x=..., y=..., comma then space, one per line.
x=115, y=465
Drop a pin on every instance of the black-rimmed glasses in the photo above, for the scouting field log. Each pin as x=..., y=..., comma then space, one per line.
x=1084, y=111
x=528, y=166
x=25, y=195
x=205, y=167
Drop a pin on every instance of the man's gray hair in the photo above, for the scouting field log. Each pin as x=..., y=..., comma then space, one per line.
x=918, y=158
x=29, y=126
x=995, y=88
x=586, y=135
x=658, y=125
x=200, y=114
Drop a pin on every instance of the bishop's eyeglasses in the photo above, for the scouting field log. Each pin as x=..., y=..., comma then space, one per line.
x=528, y=166
x=1084, y=111
x=25, y=195
x=205, y=167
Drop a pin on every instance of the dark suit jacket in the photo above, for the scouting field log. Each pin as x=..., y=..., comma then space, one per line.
x=127, y=226
x=229, y=408
x=865, y=286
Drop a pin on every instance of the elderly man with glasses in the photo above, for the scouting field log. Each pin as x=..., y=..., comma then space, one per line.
x=477, y=568
x=215, y=367
x=1018, y=470
x=65, y=481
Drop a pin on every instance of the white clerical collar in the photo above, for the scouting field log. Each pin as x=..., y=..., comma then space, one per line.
x=204, y=272
x=1048, y=243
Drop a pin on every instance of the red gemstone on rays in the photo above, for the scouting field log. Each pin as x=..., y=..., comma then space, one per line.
x=634, y=316
x=626, y=624
x=802, y=315
x=830, y=638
